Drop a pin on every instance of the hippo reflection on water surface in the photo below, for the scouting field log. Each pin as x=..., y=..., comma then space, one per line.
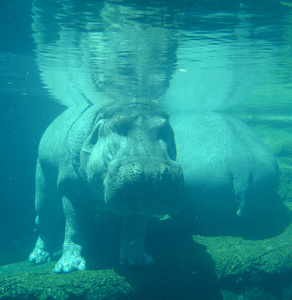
x=120, y=158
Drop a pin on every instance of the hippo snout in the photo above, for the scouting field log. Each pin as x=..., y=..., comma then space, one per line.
x=136, y=167
x=135, y=171
x=138, y=187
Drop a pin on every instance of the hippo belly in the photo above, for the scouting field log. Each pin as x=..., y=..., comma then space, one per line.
x=118, y=159
x=228, y=171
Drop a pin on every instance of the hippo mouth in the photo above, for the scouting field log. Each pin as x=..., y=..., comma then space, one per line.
x=131, y=189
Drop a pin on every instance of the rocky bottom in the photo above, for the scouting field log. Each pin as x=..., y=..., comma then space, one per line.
x=198, y=268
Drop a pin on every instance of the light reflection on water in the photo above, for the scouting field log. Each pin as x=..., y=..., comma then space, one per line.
x=199, y=56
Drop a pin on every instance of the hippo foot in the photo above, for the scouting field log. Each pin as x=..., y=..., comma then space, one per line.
x=141, y=258
x=39, y=255
x=68, y=264
x=71, y=260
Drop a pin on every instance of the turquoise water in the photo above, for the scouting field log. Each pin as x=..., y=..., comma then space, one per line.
x=201, y=55
x=232, y=57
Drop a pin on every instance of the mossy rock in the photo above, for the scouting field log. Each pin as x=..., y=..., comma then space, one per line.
x=200, y=268
x=24, y=281
x=249, y=269
x=182, y=279
x=236, y=258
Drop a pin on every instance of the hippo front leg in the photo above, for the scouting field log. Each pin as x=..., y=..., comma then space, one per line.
x=132, y=250
x=71, y=258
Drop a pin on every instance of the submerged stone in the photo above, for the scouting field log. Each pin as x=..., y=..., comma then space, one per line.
x=24, y=281
x=199, y=268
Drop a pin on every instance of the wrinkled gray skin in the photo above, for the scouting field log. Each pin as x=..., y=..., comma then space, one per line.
x=120, y=159
x=227, y=168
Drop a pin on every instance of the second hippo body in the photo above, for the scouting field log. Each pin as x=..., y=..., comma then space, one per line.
x=228, y=170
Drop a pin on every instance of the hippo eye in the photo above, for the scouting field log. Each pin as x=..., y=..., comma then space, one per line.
x=121, y=125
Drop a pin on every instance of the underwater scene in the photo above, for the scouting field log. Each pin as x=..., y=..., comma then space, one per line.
x=146, y=149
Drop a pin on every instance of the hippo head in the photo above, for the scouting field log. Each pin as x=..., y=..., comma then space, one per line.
x=131, y=156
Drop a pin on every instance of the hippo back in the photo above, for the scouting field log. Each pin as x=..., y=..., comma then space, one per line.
x=227, y=168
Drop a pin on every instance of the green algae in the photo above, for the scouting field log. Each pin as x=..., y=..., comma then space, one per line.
x=236, y=257
x=39, y=282
x=181, y=271
x=143, y=283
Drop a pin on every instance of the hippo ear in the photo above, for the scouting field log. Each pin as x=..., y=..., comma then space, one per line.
x=170, y=139
x=172, y=148
x=92, y=139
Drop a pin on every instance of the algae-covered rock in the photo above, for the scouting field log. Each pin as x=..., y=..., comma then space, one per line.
x=204, y=268
x=183, y=270
x=24, y=281
x=252, y=267
x=236, y=258
x=200, y=268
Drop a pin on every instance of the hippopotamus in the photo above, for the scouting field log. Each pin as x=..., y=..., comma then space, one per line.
x=118, y=159
x=229, y=173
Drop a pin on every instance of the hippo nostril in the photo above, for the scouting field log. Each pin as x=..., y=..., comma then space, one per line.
x=136, y=167
x=164, y=168
x=164, y=171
